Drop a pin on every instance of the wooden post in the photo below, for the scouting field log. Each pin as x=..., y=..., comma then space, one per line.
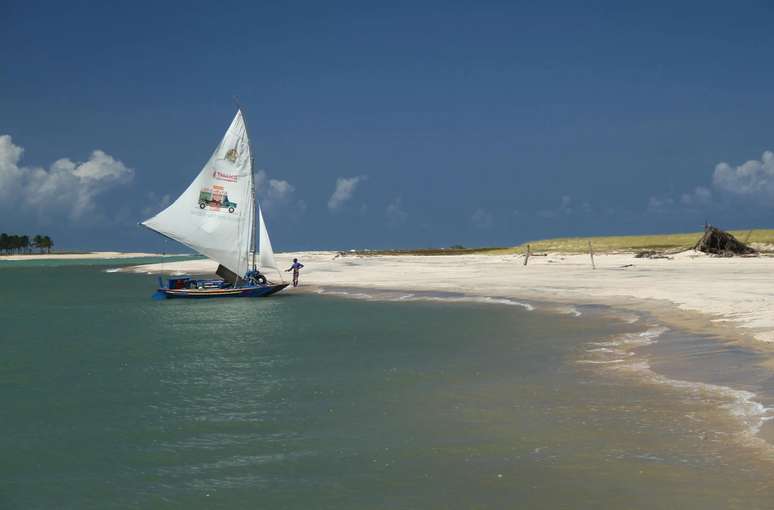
x=591, y=254
x=526, y=256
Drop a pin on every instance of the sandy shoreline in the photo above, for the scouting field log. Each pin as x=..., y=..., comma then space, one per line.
x=76, y=256
x=735, y=292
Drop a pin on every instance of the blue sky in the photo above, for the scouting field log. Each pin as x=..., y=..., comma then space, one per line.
x=440, y=123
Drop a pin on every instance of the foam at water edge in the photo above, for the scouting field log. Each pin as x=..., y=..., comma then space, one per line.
x=632, y=340
x=113, y=270
x=468, y=299
x=740, y=404
x=443, y=299
x=569, y=310
x=354, y=295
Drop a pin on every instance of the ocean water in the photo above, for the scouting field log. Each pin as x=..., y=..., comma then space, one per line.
x=339, y=399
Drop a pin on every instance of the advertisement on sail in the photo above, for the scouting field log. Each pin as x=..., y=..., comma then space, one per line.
x=216, y=198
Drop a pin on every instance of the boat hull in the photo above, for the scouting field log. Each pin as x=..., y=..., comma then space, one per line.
x=257, y=291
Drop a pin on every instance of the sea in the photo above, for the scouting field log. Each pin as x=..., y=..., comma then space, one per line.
x=330, y=398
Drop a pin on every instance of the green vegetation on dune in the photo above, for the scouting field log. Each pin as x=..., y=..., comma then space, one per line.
x=453, y=250
x=660, y=242
x=670, y=242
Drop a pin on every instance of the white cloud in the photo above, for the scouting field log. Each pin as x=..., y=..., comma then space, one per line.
x=698, y=199
x=67, y=188
x=279, y=190
x=395, y=213
x=155, y=203
x=660, y=204
x=482, y=219
x=273, y=192
x=700, y=196
x=566, y=207
x=260, y=179
x=10, y=155
x=752, y=182
x=345, y=187
x=752, y=179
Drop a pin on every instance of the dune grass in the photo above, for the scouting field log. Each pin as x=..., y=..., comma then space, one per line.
x=663, y=242
x=601, y=244
x=426, y=251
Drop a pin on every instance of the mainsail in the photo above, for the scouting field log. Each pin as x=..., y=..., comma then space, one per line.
x=266, y=253
x=215, y=215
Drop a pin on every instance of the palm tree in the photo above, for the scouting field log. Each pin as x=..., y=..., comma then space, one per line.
x=4, y=242
x=37, y=242
x=48, y=243
x=24, y=243
x=14, y=243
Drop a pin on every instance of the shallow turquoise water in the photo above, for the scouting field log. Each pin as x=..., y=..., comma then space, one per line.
x=112, y=400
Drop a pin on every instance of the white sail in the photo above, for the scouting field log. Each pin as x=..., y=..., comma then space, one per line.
x=266, y=253
x=215, y=215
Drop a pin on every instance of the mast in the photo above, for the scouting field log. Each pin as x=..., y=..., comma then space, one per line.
x=252, y=182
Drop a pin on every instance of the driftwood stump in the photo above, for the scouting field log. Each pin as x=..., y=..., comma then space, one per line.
x=718, y=242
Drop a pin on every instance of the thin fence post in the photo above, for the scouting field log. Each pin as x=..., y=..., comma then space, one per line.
x=526, y=257
x=591, y=254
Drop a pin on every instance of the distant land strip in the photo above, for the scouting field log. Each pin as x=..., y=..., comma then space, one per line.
x=761, y=239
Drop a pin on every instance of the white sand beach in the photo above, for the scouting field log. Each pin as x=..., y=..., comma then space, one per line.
x=75, y=256
x=737, y=292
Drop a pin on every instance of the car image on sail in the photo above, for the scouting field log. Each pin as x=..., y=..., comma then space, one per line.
x=216, y=197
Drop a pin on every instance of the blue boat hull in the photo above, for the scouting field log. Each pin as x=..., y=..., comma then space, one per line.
x=249, y=291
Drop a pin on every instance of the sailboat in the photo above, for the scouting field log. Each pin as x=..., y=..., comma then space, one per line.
x=215, y=216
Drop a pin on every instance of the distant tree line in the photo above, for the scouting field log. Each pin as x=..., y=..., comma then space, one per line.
x=12, y=243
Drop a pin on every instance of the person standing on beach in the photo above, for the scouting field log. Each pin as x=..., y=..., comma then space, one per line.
x=295, y=268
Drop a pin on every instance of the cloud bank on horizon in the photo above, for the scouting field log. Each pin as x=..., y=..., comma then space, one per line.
x=73, y=192
x=66, y=189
